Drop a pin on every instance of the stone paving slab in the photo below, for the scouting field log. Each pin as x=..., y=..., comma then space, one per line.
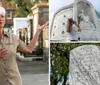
x=35, y=79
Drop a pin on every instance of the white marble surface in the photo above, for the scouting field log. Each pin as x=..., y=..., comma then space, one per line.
x=90, y=27
x=85, y=65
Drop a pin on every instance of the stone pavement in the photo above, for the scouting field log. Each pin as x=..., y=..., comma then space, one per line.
x=34, y=72
x=35, y=79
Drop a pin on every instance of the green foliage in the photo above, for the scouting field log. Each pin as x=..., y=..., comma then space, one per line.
x=59, y=58
x=59, y=63
x=39, y=51
x=24, y=6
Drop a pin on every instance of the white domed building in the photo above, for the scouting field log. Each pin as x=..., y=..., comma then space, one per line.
x=83, y=12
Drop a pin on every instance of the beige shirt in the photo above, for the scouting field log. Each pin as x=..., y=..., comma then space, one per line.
x=9, y=72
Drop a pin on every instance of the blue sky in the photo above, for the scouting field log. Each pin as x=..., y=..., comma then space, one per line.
x=96, y=4
x=21, y=24
x=56, y=4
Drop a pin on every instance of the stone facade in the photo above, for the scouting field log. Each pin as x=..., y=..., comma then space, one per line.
x=40, y=15
x=84, y=14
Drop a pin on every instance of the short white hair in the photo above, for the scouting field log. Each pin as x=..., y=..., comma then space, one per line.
x=2, y=11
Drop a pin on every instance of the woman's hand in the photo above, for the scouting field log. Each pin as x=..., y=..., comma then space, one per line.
x=32, y=43
x=40, y=28
x=3, y=52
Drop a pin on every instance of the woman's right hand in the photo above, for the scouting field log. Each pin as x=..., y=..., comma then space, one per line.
x=3, y=52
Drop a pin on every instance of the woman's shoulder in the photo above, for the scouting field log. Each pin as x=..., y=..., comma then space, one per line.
x=11, y=35
x=74, y=26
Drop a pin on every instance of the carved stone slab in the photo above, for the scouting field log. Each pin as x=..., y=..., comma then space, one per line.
x=85, y=65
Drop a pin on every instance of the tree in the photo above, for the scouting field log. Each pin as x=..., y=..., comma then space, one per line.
x=59, y=63
x=23, y=7
x=59, y=58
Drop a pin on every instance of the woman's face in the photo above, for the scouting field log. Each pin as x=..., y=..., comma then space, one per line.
x=2, y=21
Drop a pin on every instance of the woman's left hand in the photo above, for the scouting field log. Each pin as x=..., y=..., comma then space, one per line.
x=40, y=28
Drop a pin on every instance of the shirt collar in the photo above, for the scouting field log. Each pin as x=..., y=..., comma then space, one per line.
x=6, y=34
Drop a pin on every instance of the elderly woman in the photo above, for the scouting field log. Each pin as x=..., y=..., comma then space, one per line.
x=9, y=44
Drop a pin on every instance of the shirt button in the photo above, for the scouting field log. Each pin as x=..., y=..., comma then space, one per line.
x=4, y=62
x=7, y=80
x=6, y=71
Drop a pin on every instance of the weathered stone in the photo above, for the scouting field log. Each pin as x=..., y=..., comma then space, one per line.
x=84, y=14
x=85, y=65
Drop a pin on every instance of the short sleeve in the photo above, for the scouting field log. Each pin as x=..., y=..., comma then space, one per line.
x=21, y=45
x=75, y=28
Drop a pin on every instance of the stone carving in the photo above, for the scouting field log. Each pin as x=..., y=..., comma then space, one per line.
x=85, y=65
x=84, y=14
x=81, y=16
x=84, y=21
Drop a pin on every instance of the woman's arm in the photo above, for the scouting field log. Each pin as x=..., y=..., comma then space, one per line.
x=79, y=29
x=31, y=45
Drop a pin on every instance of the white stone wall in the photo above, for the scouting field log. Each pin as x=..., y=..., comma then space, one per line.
x=85, y=65
x=90, y=28
x=58, y=30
